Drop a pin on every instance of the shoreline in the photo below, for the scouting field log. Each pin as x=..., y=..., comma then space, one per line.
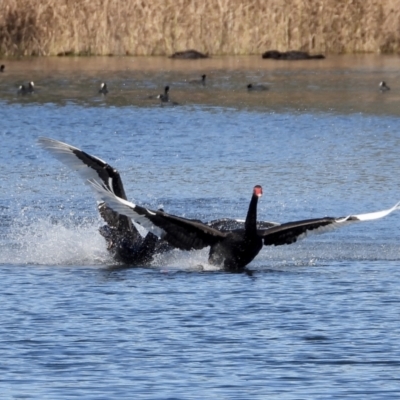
x=335, y=84
x=215, y=27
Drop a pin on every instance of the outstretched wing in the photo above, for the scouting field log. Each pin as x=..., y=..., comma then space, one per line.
x=87, y=166
x=92, y=167
x=291, y=232
x=183, y=233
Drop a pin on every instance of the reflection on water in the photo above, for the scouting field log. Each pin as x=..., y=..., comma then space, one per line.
x=336, y=84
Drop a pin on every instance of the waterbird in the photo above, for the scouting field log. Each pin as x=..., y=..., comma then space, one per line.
x=189, y=55
x=164, y=98
x=383, y=87
x=103, y=88
x=291, y=55
x=22, y=89
x=256, y=88
x=31, y=87
x=124, y=241
x=232, y=249
x=201, y=81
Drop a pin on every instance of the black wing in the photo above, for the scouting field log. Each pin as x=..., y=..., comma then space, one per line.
x=92, y=167
x=87, y=166
x=183, y=233
x=290, y=232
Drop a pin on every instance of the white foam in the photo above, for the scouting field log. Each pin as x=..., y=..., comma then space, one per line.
x=42, y=241
x=185, y=260
x=45, y=242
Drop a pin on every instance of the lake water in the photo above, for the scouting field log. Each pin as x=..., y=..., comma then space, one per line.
x=317, y=319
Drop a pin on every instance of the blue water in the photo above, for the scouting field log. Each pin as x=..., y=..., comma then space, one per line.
x=317, y=319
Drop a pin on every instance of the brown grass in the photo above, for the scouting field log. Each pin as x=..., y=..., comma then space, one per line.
x=161, y=27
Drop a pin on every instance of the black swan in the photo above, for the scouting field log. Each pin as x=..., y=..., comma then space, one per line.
x=123, y=239
x=232, y=249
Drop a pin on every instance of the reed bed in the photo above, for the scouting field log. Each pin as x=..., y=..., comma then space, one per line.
x=217, y=27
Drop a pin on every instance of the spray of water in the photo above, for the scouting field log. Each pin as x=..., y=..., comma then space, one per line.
x=187, y=260
x=46, y=242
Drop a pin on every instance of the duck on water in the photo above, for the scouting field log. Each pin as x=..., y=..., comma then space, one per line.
x=232, y=249
x=123, y=239
x=103, y=88
x=383, y=87
x=256, y=88
x=201, y=81
x=26, y=89
x=164, y=98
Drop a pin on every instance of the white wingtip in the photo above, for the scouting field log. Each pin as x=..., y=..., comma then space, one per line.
x=377, y=214
x=66, y=153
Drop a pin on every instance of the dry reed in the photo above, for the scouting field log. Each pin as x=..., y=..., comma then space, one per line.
x=161, y=27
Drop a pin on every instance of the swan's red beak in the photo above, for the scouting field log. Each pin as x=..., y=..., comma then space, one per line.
x=258, y=191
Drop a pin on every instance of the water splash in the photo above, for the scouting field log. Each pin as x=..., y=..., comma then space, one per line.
x=68, y=241
x=71, y=241
x=185, y=260
x=44, y=241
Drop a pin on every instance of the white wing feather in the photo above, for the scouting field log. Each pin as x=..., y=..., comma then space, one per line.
x=124, y=207
x=377, y=214
x=64, y=153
